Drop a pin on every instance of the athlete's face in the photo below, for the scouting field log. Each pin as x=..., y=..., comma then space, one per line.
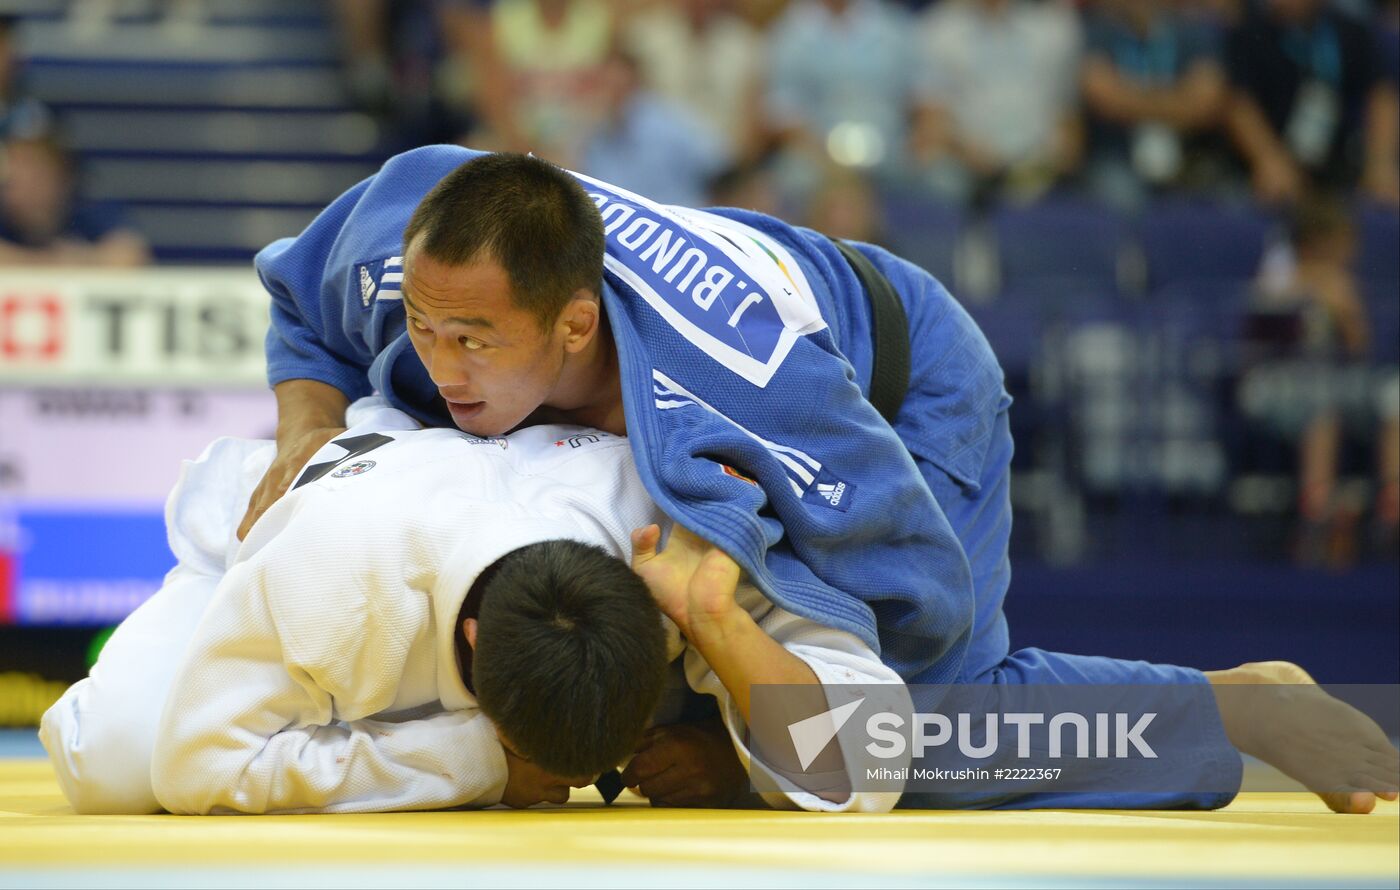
x=491, y=360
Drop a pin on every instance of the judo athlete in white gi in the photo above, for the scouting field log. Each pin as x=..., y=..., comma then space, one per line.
x=313, y=667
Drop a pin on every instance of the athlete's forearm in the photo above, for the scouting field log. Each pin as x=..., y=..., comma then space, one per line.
x=742, y=656
x=304, y=405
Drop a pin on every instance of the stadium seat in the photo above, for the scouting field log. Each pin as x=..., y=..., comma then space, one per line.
x=1014, y=328
x=924, y=231
x=1383, y=311
x=1204, y=294
x=1059, y=239
x=1378, y=260
x=1196, y=239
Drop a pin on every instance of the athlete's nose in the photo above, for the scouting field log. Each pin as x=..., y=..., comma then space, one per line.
x=445, y=366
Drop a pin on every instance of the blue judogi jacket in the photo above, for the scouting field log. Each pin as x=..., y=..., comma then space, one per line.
x=738, y=337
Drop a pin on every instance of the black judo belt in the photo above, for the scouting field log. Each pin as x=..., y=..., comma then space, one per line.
x=889, y=326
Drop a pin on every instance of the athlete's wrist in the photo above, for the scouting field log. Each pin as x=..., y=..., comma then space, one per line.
x=716, y=630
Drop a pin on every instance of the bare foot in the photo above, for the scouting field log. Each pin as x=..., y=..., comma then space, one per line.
x=1336, y=751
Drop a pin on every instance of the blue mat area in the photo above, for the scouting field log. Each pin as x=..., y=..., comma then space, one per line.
x=20, y=743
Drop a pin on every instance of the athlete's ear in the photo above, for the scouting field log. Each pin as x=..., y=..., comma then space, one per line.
x=580, y=320
x=469, y=630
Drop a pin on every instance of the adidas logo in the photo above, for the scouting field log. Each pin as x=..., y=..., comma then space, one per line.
x=832, y=493
x=366, y=286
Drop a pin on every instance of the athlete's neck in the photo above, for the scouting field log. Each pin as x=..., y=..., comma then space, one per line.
x=593, y=396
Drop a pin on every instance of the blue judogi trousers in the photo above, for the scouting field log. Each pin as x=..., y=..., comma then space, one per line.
x=981, y=518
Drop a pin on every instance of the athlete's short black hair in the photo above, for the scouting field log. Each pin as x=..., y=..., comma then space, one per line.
x=570, y=656
x=528, y=215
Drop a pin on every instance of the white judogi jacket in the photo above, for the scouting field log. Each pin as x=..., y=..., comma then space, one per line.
x=323, y=677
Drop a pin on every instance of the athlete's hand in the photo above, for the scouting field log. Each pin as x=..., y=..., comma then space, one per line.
x=687, y=765
x=692, y=581
x=527, y=784
x=292, y=455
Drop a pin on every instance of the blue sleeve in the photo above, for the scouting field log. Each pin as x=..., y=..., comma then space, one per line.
x=308, y=338
x=327, y=323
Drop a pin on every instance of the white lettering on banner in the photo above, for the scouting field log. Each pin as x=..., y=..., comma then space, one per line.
x=155, y=326
x=732, y=291
x=84, y=600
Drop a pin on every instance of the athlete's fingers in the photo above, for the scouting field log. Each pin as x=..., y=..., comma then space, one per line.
x=249, y=517
x=648, y=739
x=644, y=541
x=686, y=787
x=255, y=510
x=640, y=770
x=279, y=477
x=272, y=486
x=651, y=762
x=664, y=783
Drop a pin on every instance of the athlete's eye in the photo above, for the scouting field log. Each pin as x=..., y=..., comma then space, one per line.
x=416, y=323
x=470, y=343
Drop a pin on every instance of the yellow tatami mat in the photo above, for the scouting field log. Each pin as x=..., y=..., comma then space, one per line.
x=1262, y=840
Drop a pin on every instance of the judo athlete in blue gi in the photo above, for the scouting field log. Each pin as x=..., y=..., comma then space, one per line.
x=738, y=355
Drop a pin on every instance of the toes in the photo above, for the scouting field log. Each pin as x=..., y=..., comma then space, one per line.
x=1350, y=802
x=1282, y=672
x=1376, y=784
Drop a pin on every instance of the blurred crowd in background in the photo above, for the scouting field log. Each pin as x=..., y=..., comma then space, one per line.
x=1174, y=219
x=971, y=101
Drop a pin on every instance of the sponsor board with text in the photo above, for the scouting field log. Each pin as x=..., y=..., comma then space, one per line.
x=165, y=326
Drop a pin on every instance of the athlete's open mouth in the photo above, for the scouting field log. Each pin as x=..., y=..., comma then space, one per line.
x=464, y=411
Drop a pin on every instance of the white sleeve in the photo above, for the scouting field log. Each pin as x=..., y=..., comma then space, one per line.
x=837, y=658
x=249, y=728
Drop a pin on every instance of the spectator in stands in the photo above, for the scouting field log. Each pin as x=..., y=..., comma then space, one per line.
x=1381, y=178
x=363, y=27
x=997, y=111
x=749, y=185
x=20, y=115
x=847, y=206
x=393, y=53
x=840, y=84
x=1154, y=87
x=1311, y=381
x=648, y=144
x=1219, y=14
x=42, y=222
x=545, y=93
x=702, y=55
x=1303, y=76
